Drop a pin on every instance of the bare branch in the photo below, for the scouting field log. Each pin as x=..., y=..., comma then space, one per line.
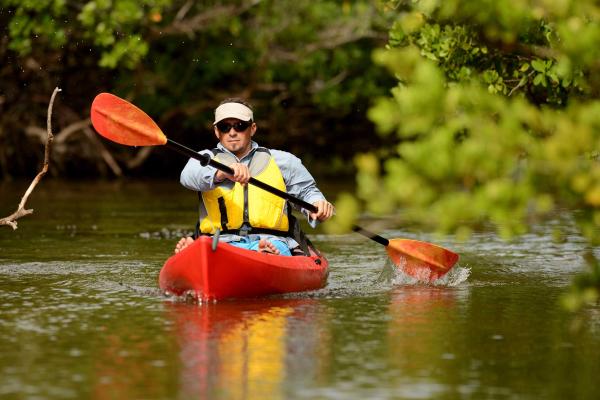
x=106, y=156
x=141, y=156
x=61, y=136
x=37, y=132
x=11, y=220
x=184, y=10
x=319, y=85
x=199, y=22
x=64, y=134
x=334, y=36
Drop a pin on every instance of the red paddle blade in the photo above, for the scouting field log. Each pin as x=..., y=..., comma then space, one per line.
x=122, y=122
x=424, y=261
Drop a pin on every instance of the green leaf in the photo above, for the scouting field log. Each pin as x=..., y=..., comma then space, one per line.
x=539, y=65
x=540, y=79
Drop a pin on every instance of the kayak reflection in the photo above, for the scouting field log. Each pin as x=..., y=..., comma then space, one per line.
x=422, y=320
x=241, y=349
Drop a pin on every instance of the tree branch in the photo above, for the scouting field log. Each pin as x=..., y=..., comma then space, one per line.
x=331, y=38
x=106, y=156
x=11, y=220
x=201, y=21
x=61, y=136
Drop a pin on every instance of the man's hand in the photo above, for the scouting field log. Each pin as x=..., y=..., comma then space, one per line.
x=241, y=174
x=324, y=210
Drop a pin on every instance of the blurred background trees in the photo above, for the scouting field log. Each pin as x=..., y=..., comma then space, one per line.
x=306, y=66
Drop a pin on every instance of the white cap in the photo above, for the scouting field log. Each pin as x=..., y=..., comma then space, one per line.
x=233, y=110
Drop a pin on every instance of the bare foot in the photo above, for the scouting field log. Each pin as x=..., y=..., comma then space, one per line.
x=264, y=246
x=183, y=243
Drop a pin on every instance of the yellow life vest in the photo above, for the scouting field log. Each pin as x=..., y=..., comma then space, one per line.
x=230, y=205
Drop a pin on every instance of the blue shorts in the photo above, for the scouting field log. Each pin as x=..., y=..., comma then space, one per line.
x=246, y=243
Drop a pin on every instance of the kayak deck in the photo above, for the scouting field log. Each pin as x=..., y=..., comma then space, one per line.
x=230, y=271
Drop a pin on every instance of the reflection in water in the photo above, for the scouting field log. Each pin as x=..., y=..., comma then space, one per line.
x=238, y=350
x=422, y=319
x=118, y=371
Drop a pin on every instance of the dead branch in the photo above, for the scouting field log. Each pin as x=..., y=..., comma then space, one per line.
x=327, y=40
x=11, y=220
x=183, y=10
x=84, y=126
x=140, y=157
x=199, y=22
x=106, y=156
x=61, y=136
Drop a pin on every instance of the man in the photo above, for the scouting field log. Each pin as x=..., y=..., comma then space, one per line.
x=242, y=214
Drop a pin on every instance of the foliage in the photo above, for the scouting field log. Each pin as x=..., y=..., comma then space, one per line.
x=305, y=65
x=114, y=27
x=495, y=116
x=584, y=289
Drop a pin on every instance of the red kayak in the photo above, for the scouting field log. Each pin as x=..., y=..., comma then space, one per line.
x=230, y=271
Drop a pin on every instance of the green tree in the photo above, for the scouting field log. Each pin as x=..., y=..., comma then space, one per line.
x=306, y=66
x=495, y=116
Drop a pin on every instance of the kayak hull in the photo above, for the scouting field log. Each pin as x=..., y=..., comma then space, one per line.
x=232, y=272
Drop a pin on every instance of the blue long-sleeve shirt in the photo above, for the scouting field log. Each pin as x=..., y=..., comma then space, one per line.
x=298, y=181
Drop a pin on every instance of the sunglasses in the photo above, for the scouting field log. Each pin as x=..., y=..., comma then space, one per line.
x=240, y=126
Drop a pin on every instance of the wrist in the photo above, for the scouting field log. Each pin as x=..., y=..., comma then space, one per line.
x=218, y=177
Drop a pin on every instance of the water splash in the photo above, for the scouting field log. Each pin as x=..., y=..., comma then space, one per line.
x=454, y=277
x=187, y=297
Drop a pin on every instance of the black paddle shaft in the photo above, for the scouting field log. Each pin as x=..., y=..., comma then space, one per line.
x=373, y=236
x=205, y=159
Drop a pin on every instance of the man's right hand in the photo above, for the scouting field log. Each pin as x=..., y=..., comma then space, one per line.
x=241, y=174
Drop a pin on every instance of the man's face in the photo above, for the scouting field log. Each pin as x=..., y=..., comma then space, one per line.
x=235, y=135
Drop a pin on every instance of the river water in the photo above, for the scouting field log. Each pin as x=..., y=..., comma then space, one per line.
x=81, y=315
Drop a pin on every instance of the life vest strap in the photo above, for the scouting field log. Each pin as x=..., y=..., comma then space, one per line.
x=223, y=211
x=248, y=230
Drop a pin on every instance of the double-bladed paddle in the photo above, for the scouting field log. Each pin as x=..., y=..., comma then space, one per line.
x=122, y=122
